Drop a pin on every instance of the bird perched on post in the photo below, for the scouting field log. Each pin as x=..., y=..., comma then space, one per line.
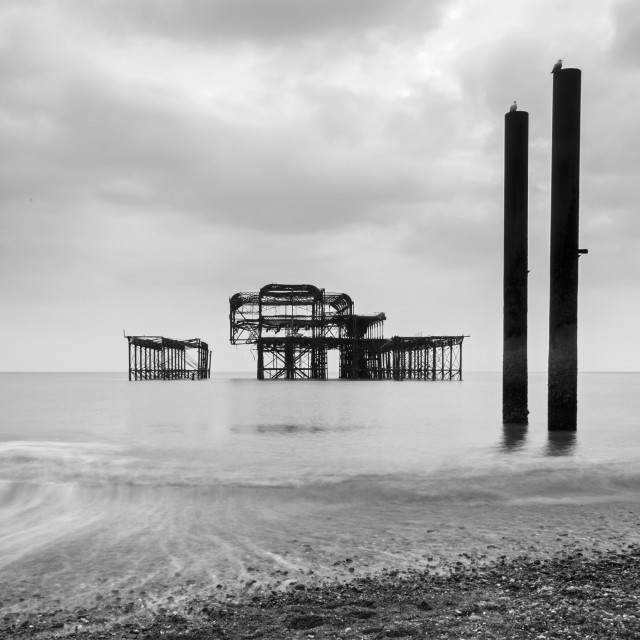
x=514, y=106
x=557, y=66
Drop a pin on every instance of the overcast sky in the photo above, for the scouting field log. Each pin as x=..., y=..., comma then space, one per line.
x=159, y=156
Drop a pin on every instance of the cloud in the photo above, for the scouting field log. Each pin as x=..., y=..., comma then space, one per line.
x=626, y=40
x=77, y=134
x=274, y=23
x=159, y=156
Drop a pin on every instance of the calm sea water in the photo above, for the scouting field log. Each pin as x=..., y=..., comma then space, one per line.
x=137, y=484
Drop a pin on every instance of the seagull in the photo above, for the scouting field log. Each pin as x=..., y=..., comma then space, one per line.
x=557, y=66
x=514, y=106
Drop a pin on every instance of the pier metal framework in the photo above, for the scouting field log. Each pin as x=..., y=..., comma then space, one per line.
x=160, y=358
x=292, y=327
x=423, y=358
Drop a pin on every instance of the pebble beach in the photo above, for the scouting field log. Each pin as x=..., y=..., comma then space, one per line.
x=575, y=576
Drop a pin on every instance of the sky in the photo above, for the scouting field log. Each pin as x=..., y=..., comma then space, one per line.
x=158, y=157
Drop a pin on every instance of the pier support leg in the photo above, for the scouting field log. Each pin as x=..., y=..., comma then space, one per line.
x=516, y=219
x=289, y=360
x=260, y=360
x=563, y=303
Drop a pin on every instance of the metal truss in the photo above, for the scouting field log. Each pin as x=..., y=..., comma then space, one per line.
x=294, y=326
x=302, y=311
x=362, y=359
x=292, y=358
x=159, y=358
x=423, y=358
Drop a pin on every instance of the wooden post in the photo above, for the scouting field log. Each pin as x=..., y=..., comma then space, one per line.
x=516, y=269
x=563, y=297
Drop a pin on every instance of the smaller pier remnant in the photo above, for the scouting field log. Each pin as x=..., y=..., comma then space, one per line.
x=516, y=270
x=422, y=358
x=160, y=358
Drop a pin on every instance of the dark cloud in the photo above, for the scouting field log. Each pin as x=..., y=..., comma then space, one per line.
x=92, y=138
x=215, y=22
x=625, y=49
x=515, y=67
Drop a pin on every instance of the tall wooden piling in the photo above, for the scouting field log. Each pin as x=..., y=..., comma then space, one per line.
x=563, y=302
x=516, y=219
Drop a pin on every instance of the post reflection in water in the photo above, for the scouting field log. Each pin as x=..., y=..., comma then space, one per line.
x=514, y=437
x=561, y=443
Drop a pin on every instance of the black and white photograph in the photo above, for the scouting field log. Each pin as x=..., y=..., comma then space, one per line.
x=319, y=319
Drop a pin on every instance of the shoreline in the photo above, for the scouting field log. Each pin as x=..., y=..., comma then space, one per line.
x=580, y=592
x=485, y=571
x=312, y=549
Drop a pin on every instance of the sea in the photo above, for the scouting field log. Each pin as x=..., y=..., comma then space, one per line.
x=236, y=485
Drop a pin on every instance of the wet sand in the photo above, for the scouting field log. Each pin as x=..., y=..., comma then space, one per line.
x=434, y=581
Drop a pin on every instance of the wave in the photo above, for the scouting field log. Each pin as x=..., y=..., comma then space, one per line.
x=90, y=471
x=140, y=529
x=51, y=461
x=552, y=483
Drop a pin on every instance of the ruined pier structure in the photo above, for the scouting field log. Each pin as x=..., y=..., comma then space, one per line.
x=292, y=327
x=159, y=358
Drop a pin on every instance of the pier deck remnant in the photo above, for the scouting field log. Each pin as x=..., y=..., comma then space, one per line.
x=294, y=326
x=159, y=358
